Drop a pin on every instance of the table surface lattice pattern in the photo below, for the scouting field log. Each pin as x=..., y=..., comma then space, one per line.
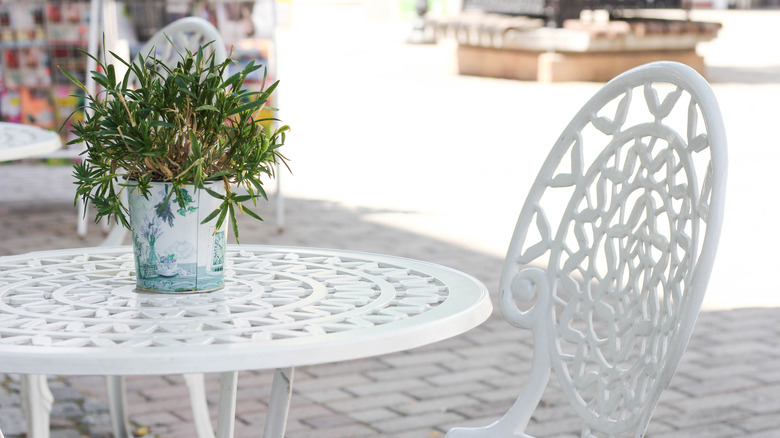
x=86, y=299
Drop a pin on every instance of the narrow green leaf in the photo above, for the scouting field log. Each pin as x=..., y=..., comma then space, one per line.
x=72, y=78
x=252, y=214
x=211, y=216
x=214, y=194
x=119, y=58
x=162, y=124
x=222, y=215
x=196, y=152
x=221, y=173
x=246, y=107
x=100, y=78
x=233, y=221
x=198, y=177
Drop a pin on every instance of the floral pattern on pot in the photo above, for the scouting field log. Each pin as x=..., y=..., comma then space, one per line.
x=174, y=252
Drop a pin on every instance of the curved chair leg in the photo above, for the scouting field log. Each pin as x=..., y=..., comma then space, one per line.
x=117, y=405
x=37, y=401
x=117, y=233
x=200, y=410
x=279, y=405
x=115, y=237
x=105, y=226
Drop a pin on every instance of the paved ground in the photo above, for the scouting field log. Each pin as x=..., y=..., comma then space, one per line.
x=370, y=115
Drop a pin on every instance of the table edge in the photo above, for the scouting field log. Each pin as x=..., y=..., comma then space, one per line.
x=406, y=334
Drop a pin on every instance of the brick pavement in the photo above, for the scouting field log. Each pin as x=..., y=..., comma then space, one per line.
x=728, y=384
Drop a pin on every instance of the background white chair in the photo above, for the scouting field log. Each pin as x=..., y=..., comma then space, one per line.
x=188, y=33
x=614, y=247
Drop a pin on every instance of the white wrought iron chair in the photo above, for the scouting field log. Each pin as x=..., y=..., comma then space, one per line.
x=614, y=247
x=187, y=33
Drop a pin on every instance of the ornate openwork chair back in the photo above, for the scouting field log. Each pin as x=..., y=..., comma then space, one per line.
x=614, y=247
x=187, y=33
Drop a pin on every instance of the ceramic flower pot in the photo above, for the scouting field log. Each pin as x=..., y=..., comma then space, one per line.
x=174, y=252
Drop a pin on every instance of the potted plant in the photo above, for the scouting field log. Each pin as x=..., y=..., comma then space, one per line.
x=179, y=140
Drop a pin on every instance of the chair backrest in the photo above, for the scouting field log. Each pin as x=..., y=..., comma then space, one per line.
x=614, y=247
x=187, y=33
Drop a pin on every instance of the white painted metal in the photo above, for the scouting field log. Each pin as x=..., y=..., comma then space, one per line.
x=116, y=235
x=228, y=384
x=115, y=392
x=273, y=69
x=189, y=33
x=196, y=385
x=611, y=279
x=280, y=218
x=19, y=141
x=279, y=405
x=37, y=401
x=76, y=312
x=98, y=18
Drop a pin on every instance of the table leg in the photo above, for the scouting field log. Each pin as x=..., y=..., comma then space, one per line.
x=200, y=410
x=116, y=392
x=37, y=401
x=228, y=383
x=279, y=405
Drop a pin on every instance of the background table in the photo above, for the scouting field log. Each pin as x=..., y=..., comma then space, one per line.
x=77, y=312
x=19, y=141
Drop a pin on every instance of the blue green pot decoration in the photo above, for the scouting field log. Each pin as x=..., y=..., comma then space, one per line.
x=174, y=252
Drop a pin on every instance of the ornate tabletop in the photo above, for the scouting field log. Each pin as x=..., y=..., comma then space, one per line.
x=19, y=141
x=77, y=311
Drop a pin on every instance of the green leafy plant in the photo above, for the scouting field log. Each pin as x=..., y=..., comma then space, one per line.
x=189, y=125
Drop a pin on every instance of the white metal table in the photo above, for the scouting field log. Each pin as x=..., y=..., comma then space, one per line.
x=19, y=141
x=77, y=312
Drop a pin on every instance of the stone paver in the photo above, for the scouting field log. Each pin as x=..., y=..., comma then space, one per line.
x=728, y=384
